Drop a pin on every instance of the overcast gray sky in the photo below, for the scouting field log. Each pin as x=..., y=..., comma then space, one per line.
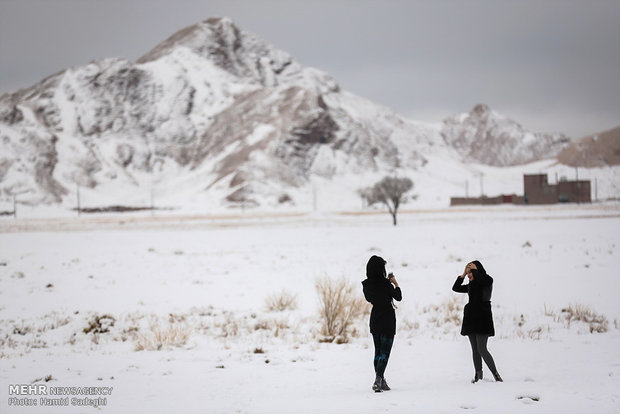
x=552, y=65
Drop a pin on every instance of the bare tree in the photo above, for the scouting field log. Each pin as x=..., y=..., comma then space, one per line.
x=390, y=191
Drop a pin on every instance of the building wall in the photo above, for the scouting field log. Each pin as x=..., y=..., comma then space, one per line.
x=574, y=192
x=538, y=191
x=484, y=201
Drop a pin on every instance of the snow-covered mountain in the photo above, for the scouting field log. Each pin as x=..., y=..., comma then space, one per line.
x=215, y=115
x=487, y=137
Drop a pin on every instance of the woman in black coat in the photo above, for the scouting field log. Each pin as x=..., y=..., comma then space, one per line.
x=379, y=291
x=477, y=316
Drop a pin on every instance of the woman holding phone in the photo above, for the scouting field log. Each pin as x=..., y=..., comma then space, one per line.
x=380, y=290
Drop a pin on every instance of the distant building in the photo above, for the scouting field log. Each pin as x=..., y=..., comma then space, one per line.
x=485, y=201
x=536, y=190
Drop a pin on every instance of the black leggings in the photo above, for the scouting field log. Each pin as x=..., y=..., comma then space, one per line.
x=480, y=351
x=383, y=346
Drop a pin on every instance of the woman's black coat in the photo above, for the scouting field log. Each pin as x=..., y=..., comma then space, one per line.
x=380, y=292
x=477, y=316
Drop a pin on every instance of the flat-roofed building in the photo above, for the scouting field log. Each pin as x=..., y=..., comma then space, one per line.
x=537, y=190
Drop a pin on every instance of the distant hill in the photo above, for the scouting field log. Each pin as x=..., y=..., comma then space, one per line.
x=598, y=150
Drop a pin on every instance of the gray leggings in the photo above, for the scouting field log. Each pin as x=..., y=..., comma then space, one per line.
x=480, y=352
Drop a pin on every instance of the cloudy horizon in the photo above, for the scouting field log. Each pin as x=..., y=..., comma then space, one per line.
x=552, y=66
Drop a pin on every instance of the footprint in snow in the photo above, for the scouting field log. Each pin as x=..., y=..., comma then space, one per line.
x=528, y=399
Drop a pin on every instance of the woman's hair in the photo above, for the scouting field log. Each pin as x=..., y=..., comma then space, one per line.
x=479, y=267
x=375, y=268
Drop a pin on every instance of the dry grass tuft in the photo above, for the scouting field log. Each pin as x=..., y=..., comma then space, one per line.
x=159, y=337
x=281, y=301
x=100, y=324
x=581, y=313
x=534, y=333
x=447, y=312
x=229, y=326
x=340, y=306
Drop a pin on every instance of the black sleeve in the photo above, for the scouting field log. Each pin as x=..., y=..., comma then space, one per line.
x=367, y=295
x=397, y=294
x=458, y=285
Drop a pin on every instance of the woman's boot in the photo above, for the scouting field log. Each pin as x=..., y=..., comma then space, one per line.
x=384, y=386
x=376, y=386
x=477, y=377
x=497, y=377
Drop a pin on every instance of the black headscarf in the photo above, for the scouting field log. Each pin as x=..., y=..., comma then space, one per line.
x=375, y=268
x=480, y=267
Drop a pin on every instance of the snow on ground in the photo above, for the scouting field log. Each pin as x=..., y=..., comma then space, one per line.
x=208, y=278
x=175, y=190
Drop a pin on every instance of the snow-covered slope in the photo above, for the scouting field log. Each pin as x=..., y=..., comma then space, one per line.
x=215, y=117
x=487, y=137
x=210, y=110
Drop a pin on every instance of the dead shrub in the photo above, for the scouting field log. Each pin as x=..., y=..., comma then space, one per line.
x=276, y=325
x=408, y=325
x=447, y=312
x=534, y=334
x=261, y=325
x=281, y=301
x=46, y=378
x=581, y=313
x=280, y=326
x=229, y=326
x=174, y=334
x=340, y=306
x=99, y=324
x=22, y=329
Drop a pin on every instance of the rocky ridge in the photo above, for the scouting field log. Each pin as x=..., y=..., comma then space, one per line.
x=216, y=111
x=489, y=138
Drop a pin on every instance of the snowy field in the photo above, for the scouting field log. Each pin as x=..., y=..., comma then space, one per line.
x=86, y=303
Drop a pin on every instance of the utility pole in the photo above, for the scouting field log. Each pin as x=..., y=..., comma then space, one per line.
x=313, y=196
x=466, y=189
x=595, y=189
x=77, y=188
x=14, y=206
x=481, y=185
x=578, y=185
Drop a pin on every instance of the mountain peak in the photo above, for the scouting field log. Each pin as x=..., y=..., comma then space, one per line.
x=216, y=30
x=481, y=109
x=490, y=138
x=239, y=53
